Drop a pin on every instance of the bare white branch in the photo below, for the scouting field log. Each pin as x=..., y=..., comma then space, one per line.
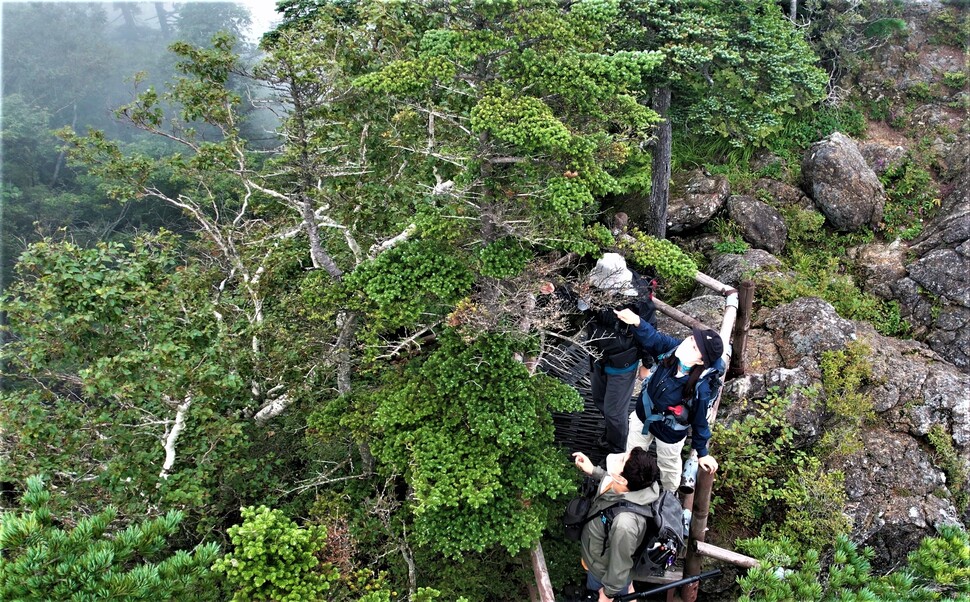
x=273, y=409
x=377, y=249
x=173, y=434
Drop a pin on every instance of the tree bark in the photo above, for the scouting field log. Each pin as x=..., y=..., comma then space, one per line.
x=660, y=176
x=63, y=153
x=162, y=18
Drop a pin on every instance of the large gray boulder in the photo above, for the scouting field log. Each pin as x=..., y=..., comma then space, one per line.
x=695, y=198
x=806, y=328
x=842, y=185
x=732, y=269
x=761, y=225
x=709, y=309
x=782, y=194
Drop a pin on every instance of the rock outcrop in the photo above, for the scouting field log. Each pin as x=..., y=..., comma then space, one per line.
x=761, y=225
x=842, y=185
x=701, y=197
x=911, y=387
x=732, y=269
x=935, y=291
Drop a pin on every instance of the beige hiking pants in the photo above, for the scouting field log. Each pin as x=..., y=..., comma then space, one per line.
x=668, y=454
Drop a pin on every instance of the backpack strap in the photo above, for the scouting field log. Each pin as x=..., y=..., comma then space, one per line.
x=607, y=514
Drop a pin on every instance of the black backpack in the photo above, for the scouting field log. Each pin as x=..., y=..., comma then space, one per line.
x=664, y=539
x=615, y=339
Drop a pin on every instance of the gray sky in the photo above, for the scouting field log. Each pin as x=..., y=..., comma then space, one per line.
x=263, y=12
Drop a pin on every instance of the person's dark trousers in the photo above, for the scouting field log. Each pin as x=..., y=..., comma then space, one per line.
x=611, y=396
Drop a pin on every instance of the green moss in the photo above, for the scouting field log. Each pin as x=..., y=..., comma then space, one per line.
x=953, y=466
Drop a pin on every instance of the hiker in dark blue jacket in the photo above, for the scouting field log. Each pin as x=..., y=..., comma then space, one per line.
x=675, y=395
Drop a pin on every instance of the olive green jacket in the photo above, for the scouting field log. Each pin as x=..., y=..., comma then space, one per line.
x=613, y=567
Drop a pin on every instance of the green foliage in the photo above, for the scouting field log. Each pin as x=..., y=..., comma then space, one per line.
x=885, y=28
x=952, y=464
x=769, y=481
x=813, y=500
x=942, y=563
x=106, y=344
x=411, y=280
x=424, y=594
x=735, y=69
x=920, y=91
x=936, y=571
x=274, y=559
x=94, y=560
x=955, y=79
x=817, y=258
x=950, y=26
x=913, y=198
x=807, y=127
x=522, y=121
x=844, y=375
x=843, y=35
x=665, y=257
x=733, y=246
x=730, y=233
x=504, y=258
x=471, y=430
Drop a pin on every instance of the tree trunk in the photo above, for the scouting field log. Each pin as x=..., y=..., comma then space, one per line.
x=162, y=18
x=660, y=176
x=128, y=13
x=63, y=153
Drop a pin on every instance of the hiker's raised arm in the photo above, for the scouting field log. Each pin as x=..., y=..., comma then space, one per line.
x=583, y=463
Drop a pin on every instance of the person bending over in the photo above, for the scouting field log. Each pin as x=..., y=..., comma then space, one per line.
x=632, y=477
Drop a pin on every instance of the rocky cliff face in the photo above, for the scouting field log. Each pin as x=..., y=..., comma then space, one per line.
x=897, y=494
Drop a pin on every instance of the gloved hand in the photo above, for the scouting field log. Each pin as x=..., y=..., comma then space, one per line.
x=582, y=305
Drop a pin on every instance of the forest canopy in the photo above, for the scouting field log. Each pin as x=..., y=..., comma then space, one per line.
x=320, y=343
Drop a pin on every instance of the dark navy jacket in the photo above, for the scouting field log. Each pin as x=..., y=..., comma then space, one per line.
x=665, y=389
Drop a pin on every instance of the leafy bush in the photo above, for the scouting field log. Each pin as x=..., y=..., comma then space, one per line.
x=662, y=255
x=942, y=564
x=813, y=503
x=737, y=247
x=471, y=431
x=955, y=79
x=801, y=130
x=848, y=409
x=912, y=197
x=730, y=235
x=885, y=28
x=937, y=570
x=951, y=26
x=274, y=559
x=92, y=561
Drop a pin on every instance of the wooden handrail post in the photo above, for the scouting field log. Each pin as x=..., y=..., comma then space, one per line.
x=741, y=327
x=698, y=528
x=541, y=572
